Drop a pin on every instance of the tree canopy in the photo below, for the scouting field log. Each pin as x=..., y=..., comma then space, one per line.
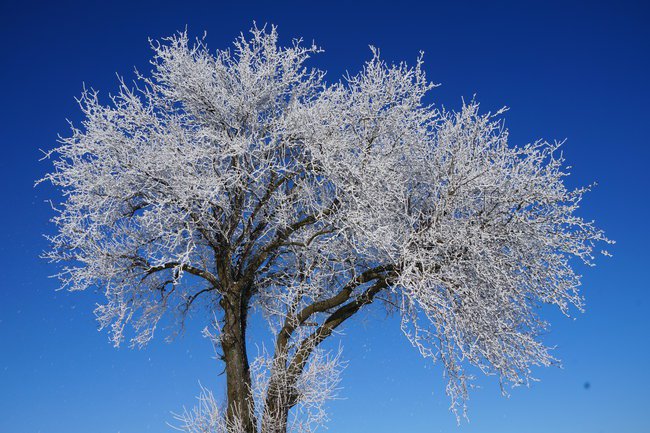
x=243, y=181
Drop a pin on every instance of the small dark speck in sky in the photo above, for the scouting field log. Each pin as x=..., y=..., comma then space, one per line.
x=587, y=385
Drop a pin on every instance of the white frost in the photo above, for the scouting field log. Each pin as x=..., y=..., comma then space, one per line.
x=246, y=166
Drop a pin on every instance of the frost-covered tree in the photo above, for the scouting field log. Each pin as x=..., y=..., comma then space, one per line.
x=241, y=182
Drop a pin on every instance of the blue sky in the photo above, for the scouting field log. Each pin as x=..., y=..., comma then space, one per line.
x=567, y=70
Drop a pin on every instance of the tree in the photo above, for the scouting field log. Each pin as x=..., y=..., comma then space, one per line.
x=243, y=182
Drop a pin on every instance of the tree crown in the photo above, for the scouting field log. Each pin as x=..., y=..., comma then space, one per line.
x=245, y=172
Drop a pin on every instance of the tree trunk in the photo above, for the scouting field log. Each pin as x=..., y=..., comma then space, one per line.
x=276, y=421
x=240, y=409
x=277, y=408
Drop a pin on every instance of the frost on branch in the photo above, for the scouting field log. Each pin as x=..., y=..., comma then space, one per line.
x=242, y=181
x=318, y=384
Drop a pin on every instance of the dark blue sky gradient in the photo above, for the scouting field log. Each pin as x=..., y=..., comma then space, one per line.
x=567, y=70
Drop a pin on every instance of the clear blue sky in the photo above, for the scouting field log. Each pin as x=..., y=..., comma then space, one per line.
x=567, y=70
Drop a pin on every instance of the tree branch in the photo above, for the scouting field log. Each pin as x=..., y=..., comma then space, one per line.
x=208, y=276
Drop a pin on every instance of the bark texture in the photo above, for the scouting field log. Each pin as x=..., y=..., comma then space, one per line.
x=238, y=380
